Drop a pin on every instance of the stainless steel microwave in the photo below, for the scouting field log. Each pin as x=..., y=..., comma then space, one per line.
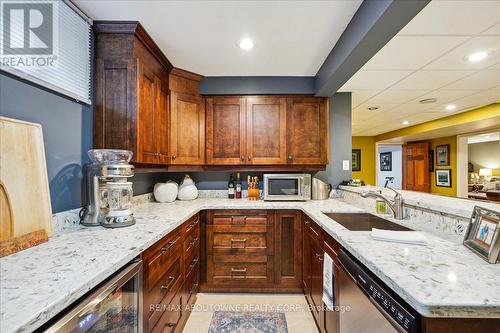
x=287, y=187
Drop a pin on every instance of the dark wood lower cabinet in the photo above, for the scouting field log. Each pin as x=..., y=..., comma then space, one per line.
x=252, y=251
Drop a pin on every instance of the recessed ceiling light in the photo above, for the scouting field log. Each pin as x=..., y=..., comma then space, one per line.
x=450, y=107
x=373, y=108
x=428, y=100
x=405, y=122
x=246, y=44
x=477, y=56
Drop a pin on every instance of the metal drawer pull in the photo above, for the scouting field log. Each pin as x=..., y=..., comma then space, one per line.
x=193, y=263
x=193, y=241
x=193, y=289
x=238, y=241
x=238, y=218
x=168, y=247
x=167, y=287
x=238, y=270
x=319, y=257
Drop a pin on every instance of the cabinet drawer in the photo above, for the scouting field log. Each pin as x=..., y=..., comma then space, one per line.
x=239, y=217
x=232, y=270
x=240, y=239
x=191, y=241
x=314, y=231
x=170, y=316
x=192, y=283
x=192, y=225
x=160, y=257
x=164, y=290
x=192, y=262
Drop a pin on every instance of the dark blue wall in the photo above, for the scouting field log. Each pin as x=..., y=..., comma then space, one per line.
x=67, y=134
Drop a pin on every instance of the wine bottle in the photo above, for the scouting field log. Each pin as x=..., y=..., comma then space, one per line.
x=230, y=187
x=238, y=186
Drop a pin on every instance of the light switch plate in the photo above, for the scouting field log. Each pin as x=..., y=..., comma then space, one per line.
x=345, y=165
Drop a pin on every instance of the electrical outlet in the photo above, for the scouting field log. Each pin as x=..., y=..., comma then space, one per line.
x=345, y=165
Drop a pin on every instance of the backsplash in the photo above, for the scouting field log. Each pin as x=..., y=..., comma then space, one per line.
x=447, y=226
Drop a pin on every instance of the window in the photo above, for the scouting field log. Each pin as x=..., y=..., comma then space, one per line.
x=47, y=43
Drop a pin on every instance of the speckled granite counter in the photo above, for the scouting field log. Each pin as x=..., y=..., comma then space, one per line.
x=442, y=279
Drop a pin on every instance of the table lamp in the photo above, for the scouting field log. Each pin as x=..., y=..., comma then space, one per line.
x=486, y=173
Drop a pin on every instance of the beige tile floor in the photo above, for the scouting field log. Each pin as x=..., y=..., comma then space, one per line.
x=298, y=317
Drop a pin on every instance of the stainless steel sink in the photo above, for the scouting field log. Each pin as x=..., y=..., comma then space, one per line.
x=364, y=222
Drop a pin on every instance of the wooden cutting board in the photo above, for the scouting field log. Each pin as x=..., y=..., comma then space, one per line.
x=25, y=210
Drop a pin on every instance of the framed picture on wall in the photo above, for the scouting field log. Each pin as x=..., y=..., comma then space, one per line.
x=443, y=177
x=443, y=155
x=431, y=160
x=356, y=160
x=386, y=161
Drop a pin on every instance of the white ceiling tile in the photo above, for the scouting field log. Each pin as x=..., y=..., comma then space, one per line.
x=390, y=96
x=446, y=96
x=412, y=52
x=494, y=30
x=484, y=79
x=422, y=80
x=496, y=66
x=373, y=80
x=457, y=59
x=454, y=18
x=479, y=99
x=360, y=96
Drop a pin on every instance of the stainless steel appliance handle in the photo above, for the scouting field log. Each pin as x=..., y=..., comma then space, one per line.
x=99, y=295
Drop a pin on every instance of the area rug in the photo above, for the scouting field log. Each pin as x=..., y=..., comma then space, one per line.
x=248, y=322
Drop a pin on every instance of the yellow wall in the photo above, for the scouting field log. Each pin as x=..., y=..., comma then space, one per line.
x=367, y=146
x=450, y=191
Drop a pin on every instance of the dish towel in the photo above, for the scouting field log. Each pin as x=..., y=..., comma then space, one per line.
x=407, y=237
x=328, y=281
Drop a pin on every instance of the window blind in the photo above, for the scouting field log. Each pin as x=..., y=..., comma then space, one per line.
x=48, y=43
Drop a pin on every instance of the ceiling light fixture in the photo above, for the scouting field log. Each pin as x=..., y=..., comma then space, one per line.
x=450, y=107
x=428, y=100
x=477, y=56
x=246, y=44
x=373, y=108
x=405, y=122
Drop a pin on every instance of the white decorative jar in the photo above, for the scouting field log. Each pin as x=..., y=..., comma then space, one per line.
x=166, y=192
x=187, y=189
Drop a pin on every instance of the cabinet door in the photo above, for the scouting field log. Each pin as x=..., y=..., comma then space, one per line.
x=266, y=130
x=162, y=127
x=331, y=319
x=307, y=130
x=288, y=256
x=147, y=104
x=316, y=279
x=187, y=129
x=226, y=134
x=306, y=259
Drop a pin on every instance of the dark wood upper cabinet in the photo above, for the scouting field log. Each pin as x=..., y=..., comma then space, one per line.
x=307, y=130
x=416, y=167
x=266, y=130
x=187, y=119
x=226, y=123
x=130, y=92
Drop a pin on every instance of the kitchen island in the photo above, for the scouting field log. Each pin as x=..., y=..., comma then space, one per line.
x=442, y=279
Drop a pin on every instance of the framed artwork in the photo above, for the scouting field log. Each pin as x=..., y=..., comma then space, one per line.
x=443, y=155
x=443, y=177
x=482, y=235
x=356, y=160
x=431, y=160
x=386, y=161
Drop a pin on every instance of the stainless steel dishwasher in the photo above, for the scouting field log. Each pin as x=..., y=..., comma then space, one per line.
x=367, y=305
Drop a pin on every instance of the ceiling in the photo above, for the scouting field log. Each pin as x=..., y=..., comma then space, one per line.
x=292, y=38
x=427, y=59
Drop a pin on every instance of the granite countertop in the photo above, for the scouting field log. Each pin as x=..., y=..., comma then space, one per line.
x=449, y=205
x=442, y=279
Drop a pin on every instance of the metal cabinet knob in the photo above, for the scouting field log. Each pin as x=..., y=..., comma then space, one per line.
x=174, y=157
x=290, y=157
x=242, y=158
x=249, y=158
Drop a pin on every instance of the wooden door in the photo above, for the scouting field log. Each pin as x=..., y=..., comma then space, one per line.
x=226, y=130
x=288, y=255
x=147, y=104
x=416, y=167
x=187, y=129
x=307, y=130
x=266, y=130
x=162, y=127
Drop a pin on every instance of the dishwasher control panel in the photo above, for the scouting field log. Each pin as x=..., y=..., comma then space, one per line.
x=387, y=305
